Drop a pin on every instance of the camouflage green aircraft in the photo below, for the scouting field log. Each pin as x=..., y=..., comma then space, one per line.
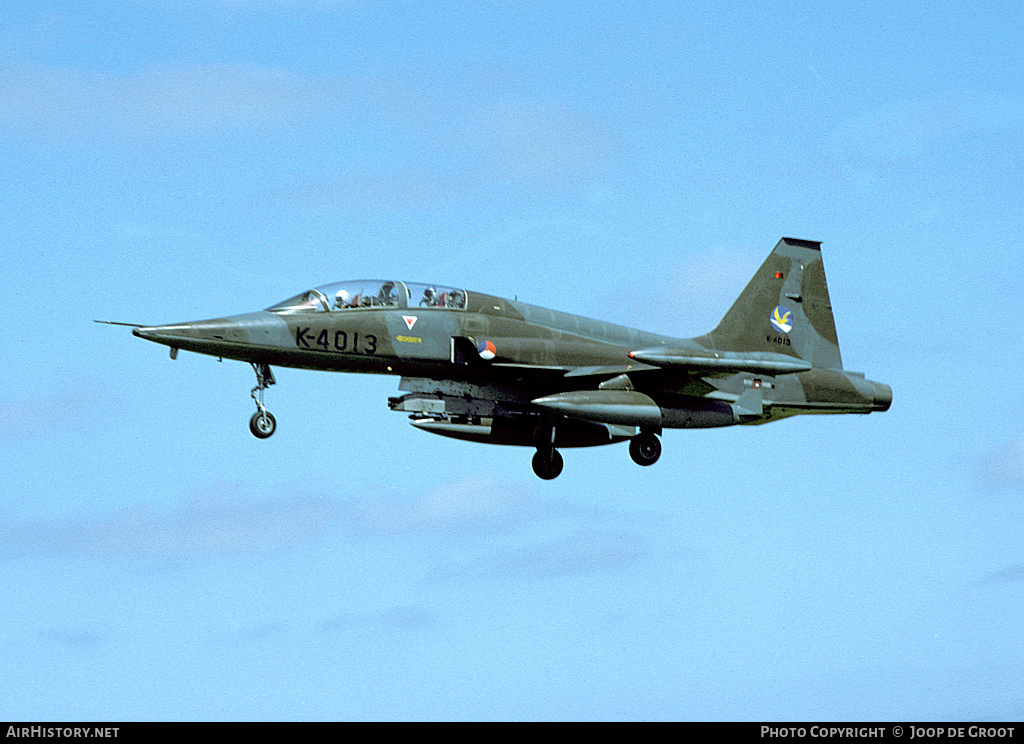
x=487, y=369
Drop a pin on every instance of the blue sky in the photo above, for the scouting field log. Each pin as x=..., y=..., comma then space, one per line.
x=164, y=161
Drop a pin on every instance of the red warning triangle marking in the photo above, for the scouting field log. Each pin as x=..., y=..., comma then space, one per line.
x=410, y=320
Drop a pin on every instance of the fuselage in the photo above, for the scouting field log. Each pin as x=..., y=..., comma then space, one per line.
x=486, y=339
x=403, y=338
x=484, y=368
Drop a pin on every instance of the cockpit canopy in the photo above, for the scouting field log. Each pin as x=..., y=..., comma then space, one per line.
x=372, y=293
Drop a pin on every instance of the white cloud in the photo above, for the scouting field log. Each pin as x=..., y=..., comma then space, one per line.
x=905, y=130
x=400, y=618
x=548, y=145
x=1009, y=575
x=586, y=551
x=53, y=102
x=221, y=525
x=1004, y=467
x=460, y=506
x=48, y=411
x=227, y=520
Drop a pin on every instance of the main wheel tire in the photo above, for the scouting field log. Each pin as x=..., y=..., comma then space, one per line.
x=645, y=448
x=547, y=466
x=262, y=424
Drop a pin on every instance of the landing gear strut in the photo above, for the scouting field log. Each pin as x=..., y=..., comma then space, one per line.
x=547, y=462
x=645, y=448
x=262, y=424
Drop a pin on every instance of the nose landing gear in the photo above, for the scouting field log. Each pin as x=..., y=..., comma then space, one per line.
x=262, y=424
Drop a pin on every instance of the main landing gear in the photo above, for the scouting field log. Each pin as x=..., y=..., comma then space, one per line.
x=262, y=424
x=547, y=463
x=645, y=448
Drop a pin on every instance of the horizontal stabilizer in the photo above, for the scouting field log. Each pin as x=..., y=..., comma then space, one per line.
x=765, y=363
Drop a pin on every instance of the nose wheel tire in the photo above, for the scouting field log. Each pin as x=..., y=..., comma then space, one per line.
x=547, y=465
x=262, y=424
x=645, y=448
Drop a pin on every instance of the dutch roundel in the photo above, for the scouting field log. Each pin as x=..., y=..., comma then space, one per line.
x=487, y=350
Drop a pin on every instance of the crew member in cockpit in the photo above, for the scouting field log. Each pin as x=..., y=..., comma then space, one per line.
x=342, y=300
x=429, y=297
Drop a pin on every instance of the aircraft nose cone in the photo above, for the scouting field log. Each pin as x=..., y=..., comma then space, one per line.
x=883, y=396
x=164, y=333
x=242, y=337
x=200, y=331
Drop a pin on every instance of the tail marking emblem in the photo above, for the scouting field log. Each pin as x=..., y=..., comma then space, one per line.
x=781, y=319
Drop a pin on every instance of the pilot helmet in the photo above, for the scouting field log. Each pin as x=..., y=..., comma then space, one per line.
x=341, y=299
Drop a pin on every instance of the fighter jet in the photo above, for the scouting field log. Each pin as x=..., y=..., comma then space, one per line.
x=486, y=369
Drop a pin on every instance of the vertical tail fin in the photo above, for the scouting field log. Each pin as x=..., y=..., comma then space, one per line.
x=784, y=309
